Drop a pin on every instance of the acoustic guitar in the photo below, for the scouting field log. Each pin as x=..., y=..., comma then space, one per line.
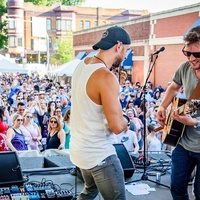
x=173, y=130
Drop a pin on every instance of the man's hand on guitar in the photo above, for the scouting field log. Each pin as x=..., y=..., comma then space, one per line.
x=184, y=118
x=161, y=116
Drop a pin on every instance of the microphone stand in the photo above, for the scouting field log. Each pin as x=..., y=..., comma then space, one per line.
x=145, y=175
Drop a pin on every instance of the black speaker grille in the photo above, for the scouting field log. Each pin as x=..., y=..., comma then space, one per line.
x=125, y=159
x=10, y=170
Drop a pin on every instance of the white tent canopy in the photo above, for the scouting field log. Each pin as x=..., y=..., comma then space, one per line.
x=7, y=66
x=66, y=69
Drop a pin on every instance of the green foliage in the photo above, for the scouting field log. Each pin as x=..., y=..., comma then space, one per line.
x=72, y=2
x=3, y=3
x=50, y=2
x=65, y=51
x=3, y=29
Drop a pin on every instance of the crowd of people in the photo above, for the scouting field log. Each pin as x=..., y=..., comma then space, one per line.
x=35, y=113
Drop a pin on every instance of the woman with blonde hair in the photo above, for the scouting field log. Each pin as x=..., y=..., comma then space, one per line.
x=15, y=138
x=56, y=134
x=31, y=131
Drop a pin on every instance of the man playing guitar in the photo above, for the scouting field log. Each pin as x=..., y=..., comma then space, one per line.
x=186, y=154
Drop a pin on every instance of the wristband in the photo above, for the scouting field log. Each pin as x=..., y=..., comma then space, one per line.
x=198, y=124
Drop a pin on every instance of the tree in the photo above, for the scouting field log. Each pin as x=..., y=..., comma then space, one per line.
x=72, y=2
x=3, y=26
x=65, y=51
x=50, y=2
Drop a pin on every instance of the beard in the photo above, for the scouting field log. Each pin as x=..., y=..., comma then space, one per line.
x=117, y=62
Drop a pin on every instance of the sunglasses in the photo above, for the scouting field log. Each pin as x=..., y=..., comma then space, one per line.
x=188, y=53
x=52, y=121
x=19, y=99
x=19, y=120
x=57, y=101
x=29, y=117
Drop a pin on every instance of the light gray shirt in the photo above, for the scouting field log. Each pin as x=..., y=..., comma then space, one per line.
x=186, y=76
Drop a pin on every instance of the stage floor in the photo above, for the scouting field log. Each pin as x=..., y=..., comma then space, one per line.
x=57, y=168
x=70, y=182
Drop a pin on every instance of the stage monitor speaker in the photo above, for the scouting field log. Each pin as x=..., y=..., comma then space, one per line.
x=125, y=159
x=10, y=170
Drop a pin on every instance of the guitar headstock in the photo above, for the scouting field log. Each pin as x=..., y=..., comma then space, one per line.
x=192, y=106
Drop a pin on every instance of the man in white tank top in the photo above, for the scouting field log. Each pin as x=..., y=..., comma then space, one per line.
x=96, y=114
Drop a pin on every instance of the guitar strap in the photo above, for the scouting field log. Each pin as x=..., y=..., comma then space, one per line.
x=196, y=93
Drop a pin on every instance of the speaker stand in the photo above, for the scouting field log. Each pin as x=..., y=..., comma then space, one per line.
x=145, y=177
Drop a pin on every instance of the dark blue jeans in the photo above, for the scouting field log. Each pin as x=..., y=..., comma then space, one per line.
x=106, y=178
x=183, y=163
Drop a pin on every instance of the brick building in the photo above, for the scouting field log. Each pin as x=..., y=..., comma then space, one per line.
x=31, y=27
x=149, y=33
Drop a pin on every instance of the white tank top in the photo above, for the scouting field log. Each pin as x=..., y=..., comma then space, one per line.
x=91, y=140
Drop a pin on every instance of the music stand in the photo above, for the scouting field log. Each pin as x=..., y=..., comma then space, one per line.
x=144, y=176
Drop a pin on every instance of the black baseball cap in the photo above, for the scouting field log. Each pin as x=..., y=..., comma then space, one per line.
x=111, y=37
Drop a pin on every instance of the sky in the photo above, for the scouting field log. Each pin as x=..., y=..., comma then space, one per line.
x=150, y=5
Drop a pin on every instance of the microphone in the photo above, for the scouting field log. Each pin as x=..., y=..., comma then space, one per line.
x=159, y=50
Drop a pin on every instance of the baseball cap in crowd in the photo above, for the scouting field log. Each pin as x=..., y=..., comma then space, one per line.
x=151, y=127
x=16, y=90
x=111, y=37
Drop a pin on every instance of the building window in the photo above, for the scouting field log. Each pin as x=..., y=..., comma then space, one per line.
x=81, y=24
x=69, y=25
x=15, y=41
x=58, y=25
x=49, y=24
x=12, y=41
x=50, y=42
x=19, y=42
x=63, y=25
x=87, y=24
x=32, y=44
x=95, y=24
x=11, y=23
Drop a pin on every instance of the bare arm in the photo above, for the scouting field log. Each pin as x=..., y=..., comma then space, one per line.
x=136, y=149
x=9, y=136
x=61, y=135
x=39, y=136
x=103, y=89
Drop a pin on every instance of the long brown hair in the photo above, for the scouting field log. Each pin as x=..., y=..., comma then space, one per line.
x=59, y=127
x=66, y=116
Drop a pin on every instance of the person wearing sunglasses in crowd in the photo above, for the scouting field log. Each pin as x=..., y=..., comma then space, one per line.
x=20, y=111
x=58, y=113
x=31, y=132
x=15, y=139
x=186, y=154
x=56, y=134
